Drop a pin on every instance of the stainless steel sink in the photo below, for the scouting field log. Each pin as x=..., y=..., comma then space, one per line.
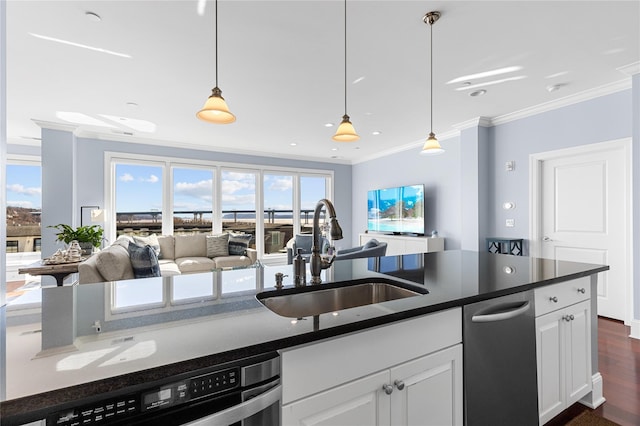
x=312, y=301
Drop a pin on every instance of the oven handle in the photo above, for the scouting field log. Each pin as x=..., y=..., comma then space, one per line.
x=241, y=411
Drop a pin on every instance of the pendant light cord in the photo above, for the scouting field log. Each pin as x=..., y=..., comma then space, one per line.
x=431, y=77
x=216, y=33
x=345, y=57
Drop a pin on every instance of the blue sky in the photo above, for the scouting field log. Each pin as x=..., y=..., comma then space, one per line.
x=139, y=188
x=24, y=186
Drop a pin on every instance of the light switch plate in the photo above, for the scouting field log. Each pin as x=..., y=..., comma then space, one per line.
x=510, y=223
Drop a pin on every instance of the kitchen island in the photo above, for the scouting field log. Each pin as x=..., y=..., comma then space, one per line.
x=88, y=340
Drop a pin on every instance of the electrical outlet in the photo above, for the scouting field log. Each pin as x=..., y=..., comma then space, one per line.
x=510, y=223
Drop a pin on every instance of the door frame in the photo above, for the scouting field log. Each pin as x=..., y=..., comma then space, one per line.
x=535, y=202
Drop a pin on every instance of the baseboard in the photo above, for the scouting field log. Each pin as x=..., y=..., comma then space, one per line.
x=595, y=398
x=635, y=329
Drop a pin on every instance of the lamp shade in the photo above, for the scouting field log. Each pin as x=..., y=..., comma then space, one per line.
x=431, y=146
x=215, y=109
x=346, y=132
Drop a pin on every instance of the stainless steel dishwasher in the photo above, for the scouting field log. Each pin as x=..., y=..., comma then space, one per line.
x=500, y=384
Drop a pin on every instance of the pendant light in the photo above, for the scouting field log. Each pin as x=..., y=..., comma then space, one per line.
x=215, y=109
x=431, y=146
x=345, y=131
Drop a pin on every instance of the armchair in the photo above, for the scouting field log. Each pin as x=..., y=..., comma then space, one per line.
x=304, y=241
x=372, y=248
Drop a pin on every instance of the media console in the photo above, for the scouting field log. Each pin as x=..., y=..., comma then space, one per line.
x=405, y=244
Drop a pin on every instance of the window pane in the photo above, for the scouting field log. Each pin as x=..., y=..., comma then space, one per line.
x=138, y=199
x=312, y=189
x=239, y=203
x=278, y=212
x=137, y=293
x=192, y=287
x=24, y=203
x=192, y=201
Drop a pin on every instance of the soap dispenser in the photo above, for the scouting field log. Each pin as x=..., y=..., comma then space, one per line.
x=299, y=269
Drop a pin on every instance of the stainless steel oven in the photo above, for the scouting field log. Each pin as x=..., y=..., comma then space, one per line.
x=245, y=392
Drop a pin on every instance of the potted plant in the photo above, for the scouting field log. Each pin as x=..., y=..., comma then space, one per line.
x=87, y=236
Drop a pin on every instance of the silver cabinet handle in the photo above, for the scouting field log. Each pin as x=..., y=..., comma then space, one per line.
x=582, y=290
x=568, y=318
x=554, y=299
x=399, y=384
x=388, y=389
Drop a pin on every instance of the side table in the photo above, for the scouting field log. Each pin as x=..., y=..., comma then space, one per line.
x=505, y=246
x=57, y=270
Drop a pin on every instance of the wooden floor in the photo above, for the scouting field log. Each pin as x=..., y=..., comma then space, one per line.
x=619, y=364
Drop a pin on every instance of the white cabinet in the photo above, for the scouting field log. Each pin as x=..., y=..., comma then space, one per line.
x=426, y=391
x=404, y=244
x=408, y=372
x=563, y=346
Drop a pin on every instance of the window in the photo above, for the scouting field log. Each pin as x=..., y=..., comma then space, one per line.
x=24, y=203
x=170, y=196
x=239, y=202
x=37, y=244
x=192, y=201
x=138, y=198
x=278, y=211
x=12, y=246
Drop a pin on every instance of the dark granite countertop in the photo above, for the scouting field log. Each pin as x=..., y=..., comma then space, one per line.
x=151, y=329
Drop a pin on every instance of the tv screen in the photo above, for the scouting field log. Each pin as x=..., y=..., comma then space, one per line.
x=397, y=210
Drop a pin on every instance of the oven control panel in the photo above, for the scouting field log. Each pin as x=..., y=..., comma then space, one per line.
x=149, y=400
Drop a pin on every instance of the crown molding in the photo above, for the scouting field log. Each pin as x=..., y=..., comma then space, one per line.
x=474, y=122
x=630, y=69
x=586, y=95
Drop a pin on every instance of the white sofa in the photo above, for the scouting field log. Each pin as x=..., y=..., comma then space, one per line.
x=179, y=254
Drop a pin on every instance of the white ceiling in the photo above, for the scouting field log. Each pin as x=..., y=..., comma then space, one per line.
x=281, y=67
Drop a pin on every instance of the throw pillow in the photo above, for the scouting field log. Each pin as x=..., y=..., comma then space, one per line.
x=151, y=240
x=218, y=245
x=239, y=243
x=143, y=261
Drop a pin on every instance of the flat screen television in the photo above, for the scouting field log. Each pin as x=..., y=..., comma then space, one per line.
x=398, y=210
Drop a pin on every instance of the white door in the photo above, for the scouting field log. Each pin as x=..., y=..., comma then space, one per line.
x=584, y=215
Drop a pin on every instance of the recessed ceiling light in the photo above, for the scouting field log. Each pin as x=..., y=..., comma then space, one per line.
x=132, y=123
x=293, y=144
x=358, y=80
x=485, y=74
x=328, y=125
x=92, y=16
x=376, y=132
x=558, y=74
x=554, y=87
x=84, y=46
x=478, y=93
x=334, y=149
x=131, y=105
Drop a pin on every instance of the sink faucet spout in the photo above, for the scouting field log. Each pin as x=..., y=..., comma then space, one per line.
x=317, y=263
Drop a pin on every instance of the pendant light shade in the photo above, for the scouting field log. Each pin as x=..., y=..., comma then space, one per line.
x=345, y=132
x=215, y=109
x=431, y=145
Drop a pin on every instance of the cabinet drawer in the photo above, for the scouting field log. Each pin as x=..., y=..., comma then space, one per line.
x=558, y=296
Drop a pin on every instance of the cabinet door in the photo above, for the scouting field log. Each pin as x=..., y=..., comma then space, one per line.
x=550, y=360
x=578, y=351
x=428, y=391
x=361, y=402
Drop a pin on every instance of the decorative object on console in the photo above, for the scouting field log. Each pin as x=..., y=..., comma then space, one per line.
x=215, y=109
x=345, y=132
x=431, y=146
